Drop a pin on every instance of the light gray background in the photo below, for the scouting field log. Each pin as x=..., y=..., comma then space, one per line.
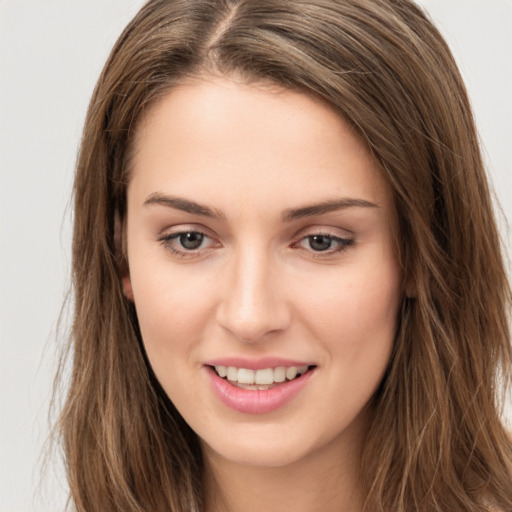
x=51, y=52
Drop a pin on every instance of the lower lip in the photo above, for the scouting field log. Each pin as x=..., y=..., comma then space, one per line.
x=257, y=401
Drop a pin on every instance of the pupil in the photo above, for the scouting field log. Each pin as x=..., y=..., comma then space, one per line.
x=191, y=240
x=320, y=242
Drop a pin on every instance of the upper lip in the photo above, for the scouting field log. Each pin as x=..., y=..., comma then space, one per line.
x=257, y=363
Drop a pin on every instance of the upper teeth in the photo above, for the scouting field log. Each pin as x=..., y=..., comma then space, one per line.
x=262, y=377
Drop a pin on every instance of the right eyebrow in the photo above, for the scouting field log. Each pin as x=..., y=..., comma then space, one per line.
x=185, y=205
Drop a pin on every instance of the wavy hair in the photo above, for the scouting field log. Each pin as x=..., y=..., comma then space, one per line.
x=436, y=441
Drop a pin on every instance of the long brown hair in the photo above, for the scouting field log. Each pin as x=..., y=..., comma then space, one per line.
x=436, y=442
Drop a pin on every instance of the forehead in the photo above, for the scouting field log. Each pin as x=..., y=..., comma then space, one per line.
x=221, y=138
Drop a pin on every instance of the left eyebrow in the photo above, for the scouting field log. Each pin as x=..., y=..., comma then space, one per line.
x=325, y=207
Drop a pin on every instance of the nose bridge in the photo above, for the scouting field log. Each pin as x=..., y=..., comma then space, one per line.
x=252, y=305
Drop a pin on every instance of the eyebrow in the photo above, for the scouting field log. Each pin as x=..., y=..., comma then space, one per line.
x=288, y=215
x=186, y=205
x=326, y=207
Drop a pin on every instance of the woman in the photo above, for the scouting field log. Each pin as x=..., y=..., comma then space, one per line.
x=288, y=286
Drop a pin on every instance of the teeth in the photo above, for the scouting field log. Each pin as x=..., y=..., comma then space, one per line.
x=264, y=376
x=232, y=373
x=261, y=379
x=280, y=374
x=222, y=371
x=291, y=372
x=245, y=376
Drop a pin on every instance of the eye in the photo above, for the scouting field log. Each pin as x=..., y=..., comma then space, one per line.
x=186, y=243
x=325, y=243
x=191, y=240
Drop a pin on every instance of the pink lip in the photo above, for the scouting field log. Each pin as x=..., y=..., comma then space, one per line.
x=256, y=364
x=257, y=401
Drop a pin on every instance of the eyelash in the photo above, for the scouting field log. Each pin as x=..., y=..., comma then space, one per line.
x=166, y=241
x=343, y=243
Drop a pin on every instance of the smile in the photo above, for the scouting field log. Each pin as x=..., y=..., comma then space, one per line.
x=258, y=391
x=262, y=379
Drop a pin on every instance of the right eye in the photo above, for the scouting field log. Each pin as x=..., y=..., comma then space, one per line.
x=191, y=240
x=186, y=243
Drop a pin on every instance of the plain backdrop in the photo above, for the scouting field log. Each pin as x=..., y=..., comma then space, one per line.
x=51, y=52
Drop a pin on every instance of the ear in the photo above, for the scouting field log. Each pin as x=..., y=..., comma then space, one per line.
x=121, y=256
x=127, y=287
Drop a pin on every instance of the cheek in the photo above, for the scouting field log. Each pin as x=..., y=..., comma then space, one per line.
x=357, y=329
x=171, y=309
x=356, y=316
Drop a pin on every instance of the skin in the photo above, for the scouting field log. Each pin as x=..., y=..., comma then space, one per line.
x=257, y=286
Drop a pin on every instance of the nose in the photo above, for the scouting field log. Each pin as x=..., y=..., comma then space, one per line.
x=253, y=301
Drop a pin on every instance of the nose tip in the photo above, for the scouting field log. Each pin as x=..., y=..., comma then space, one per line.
x=253, y=306
x=249, y=323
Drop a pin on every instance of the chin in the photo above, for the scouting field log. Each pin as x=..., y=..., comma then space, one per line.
x=274, y=446
x=255, y=455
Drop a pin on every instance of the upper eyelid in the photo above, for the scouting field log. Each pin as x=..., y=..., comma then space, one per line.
x=184, y=228
x=336, y=238
x=332, y=231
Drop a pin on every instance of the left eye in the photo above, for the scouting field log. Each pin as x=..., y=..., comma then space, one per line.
x=325, y=243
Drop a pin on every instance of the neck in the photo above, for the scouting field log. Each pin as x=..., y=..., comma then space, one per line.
x=327, y=479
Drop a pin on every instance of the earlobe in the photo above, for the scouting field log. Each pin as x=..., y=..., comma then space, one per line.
x=127, y=288
x=120, y=248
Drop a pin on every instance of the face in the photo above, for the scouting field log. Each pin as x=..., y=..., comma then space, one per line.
x=261, y=264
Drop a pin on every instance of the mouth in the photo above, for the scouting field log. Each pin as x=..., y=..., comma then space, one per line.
x=262, y=379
